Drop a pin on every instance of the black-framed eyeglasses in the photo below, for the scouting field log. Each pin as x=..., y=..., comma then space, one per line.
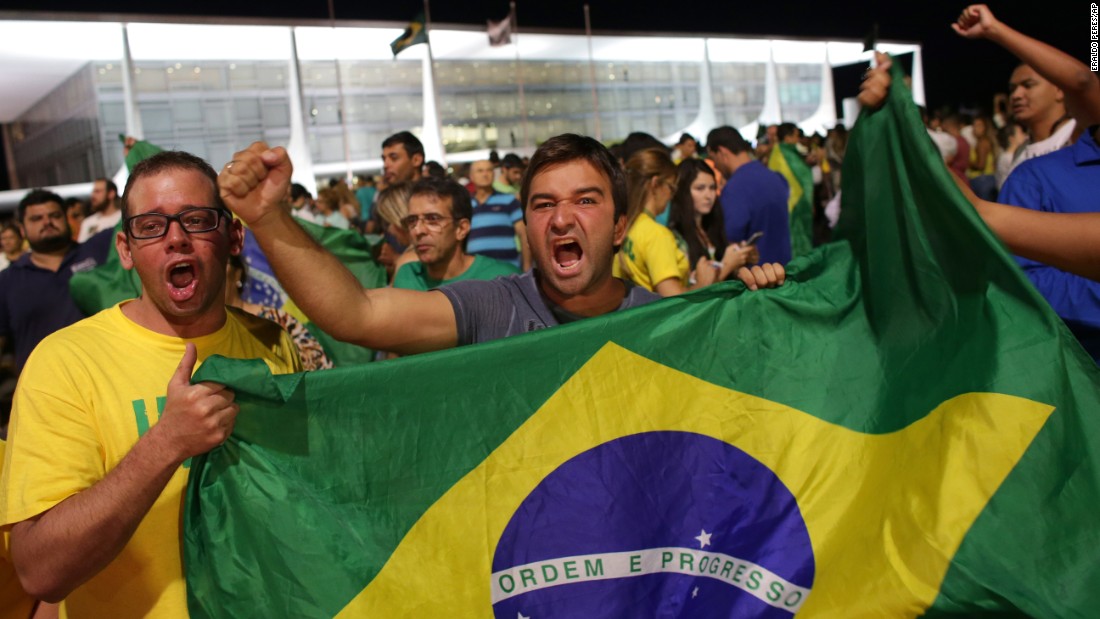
x=192, y=220
x=434, y=221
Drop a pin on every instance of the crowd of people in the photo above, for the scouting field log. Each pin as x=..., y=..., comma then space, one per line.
x=104, y=416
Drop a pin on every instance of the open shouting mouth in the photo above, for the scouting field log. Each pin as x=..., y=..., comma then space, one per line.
x=182, y=280
x=567, y=254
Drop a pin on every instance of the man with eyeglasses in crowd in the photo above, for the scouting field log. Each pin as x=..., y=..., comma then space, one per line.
x=574, y=197
x=439, y=224
x=105, y=418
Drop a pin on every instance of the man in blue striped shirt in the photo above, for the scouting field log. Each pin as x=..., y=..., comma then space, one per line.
x=497, y=228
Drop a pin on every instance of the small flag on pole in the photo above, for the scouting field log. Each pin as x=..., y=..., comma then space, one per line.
x=415, y=33
x=500, y=32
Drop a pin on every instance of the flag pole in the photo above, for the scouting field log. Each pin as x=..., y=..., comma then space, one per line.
x=340, y=101
x=592, y=72
x=519, y=73
x=433, y=123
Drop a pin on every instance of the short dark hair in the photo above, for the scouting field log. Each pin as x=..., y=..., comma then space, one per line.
x=571, y=147
x=435, y=169
x=785, y=130
x=511, y=160
x=298, y=191
x=445, y=188
x=728, y=137
x=172, y=160
x=639, y=141
x=461, y=208
x=409, y=141
x=111, y=186
x=36, y=197
x=684, y=137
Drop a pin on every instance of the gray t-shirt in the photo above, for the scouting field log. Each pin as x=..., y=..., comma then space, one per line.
x=507, y=306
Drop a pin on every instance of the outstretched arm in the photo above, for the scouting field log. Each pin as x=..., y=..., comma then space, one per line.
x=255, y=186
x=1081, y=87
x=1067, y=241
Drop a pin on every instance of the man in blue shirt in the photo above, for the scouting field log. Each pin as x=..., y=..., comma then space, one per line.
x=754, y=198
x=497, y=228
x=1064, y=181
x=34, y=290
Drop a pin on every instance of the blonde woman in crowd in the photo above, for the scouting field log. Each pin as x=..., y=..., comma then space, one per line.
x=650, y=256
x=393, y=205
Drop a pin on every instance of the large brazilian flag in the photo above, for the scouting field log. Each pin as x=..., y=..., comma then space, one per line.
x=786, y=160
x=903, y=428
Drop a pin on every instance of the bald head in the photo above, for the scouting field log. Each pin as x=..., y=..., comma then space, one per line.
x=481, y=174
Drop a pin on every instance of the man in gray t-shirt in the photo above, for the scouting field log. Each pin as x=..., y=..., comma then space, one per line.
x=507, y=306
x=574, y=201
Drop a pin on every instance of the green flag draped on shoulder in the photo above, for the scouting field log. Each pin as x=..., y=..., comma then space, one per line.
x=415, y=33
x=786, y=160
x=903, y=428
x=105, y=285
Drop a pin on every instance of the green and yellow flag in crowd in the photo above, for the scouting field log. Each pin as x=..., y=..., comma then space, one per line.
x=786, y=160
x=415, y=33
x=904, y=428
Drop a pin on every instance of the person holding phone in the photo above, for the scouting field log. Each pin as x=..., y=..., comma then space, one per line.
x=650, y=256
x=699, y=227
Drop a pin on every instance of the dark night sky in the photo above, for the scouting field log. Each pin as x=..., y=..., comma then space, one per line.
x=957, y=72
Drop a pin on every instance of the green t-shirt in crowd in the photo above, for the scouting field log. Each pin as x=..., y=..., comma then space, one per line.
x=413, y=276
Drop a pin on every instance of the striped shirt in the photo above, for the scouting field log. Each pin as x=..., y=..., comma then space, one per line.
x=493, y=228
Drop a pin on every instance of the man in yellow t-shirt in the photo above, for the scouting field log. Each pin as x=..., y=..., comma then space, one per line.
x=105, y=418
x=14, y=602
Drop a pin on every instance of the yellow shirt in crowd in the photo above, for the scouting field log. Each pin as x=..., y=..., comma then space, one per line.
x=86, y=395
x=650, y=255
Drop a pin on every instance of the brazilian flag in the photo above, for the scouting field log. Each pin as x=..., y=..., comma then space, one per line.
x=904, y=428
x=415, y=33
x=786, y=160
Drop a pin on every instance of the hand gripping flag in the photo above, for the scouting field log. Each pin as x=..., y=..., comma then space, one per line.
x=415, y=33
x=904, y=428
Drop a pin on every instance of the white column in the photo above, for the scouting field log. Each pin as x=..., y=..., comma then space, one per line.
x=431, y=135
x=133, y=116
x=298, y=146
x=824, y=118
x=772, y=114
x=918, y=77
x=706, y=119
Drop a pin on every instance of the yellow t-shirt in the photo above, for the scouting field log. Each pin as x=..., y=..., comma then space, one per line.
x=650, y=255
x=86, y=395
x=14, y=602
